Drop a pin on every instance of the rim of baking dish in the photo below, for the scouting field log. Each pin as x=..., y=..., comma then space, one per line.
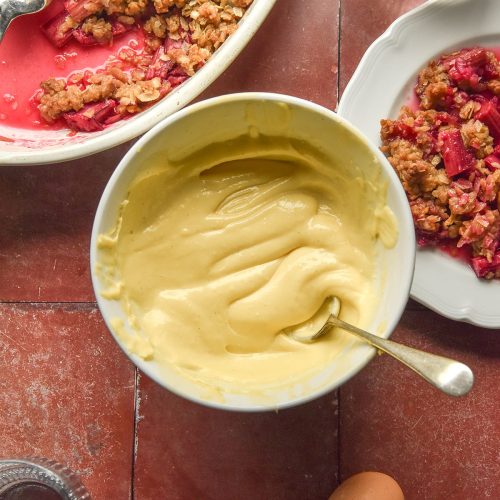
x=137, y=125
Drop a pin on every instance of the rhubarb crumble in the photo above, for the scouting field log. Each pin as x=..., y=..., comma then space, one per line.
x=446, y=152
x=179, y=38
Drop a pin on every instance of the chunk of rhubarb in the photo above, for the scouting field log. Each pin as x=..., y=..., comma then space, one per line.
x=175, y=81
x=474, y=57
x=91, y=117
x=455, y=156
x=492, y=161
x=177, y=76
x=467, y=67
x=160, y=66
x=483, y=268
x=163, y=67
x=86, y=38
x=58, y=29
x=489, y=115
x=398, y=128
x=81, y=9
x=170, y=44
x=119, y=28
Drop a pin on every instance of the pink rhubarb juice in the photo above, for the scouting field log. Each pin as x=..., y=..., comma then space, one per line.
x=27, y=58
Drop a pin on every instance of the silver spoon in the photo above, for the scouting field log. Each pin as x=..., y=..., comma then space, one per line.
x=450, y=376
x=10, y=9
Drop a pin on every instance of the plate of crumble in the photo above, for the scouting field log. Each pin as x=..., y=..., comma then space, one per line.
x=427, y=92
x=82, y=76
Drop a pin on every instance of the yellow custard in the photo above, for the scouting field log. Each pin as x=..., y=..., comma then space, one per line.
x=213, y=261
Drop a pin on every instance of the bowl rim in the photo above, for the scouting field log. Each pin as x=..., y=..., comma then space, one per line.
x=144, y=121
x=405, y=278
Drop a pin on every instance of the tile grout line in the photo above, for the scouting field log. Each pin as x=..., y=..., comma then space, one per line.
x=339, y=454
x=48, y=303
x=339, y=42
x=135, y=441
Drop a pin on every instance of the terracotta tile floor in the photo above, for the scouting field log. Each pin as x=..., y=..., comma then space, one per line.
x=68, y=393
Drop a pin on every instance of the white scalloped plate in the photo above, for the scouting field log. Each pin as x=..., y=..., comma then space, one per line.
x=380, y=85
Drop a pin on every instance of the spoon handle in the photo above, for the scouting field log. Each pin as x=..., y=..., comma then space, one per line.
x=451, y=377
x=6, y=16
x=10, y=9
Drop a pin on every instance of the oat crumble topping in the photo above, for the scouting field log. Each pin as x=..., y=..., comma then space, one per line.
x=180, y=36
x=446, y=153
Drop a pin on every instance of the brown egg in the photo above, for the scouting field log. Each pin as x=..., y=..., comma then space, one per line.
x=368, y=486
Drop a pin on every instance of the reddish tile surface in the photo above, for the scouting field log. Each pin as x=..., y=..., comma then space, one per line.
x=47, y=214
x=362, y=21
x=295, y=52
x=66, y=390
x=186, y=451
x=435, y=446
x=67, y=393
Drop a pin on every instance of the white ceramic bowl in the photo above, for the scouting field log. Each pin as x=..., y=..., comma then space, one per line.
x=52, y=146
x=228, y=115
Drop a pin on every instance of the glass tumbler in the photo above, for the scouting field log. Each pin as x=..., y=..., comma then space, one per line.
x=39, y=479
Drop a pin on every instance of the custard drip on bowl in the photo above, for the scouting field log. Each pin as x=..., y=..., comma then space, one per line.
x=215, y=260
